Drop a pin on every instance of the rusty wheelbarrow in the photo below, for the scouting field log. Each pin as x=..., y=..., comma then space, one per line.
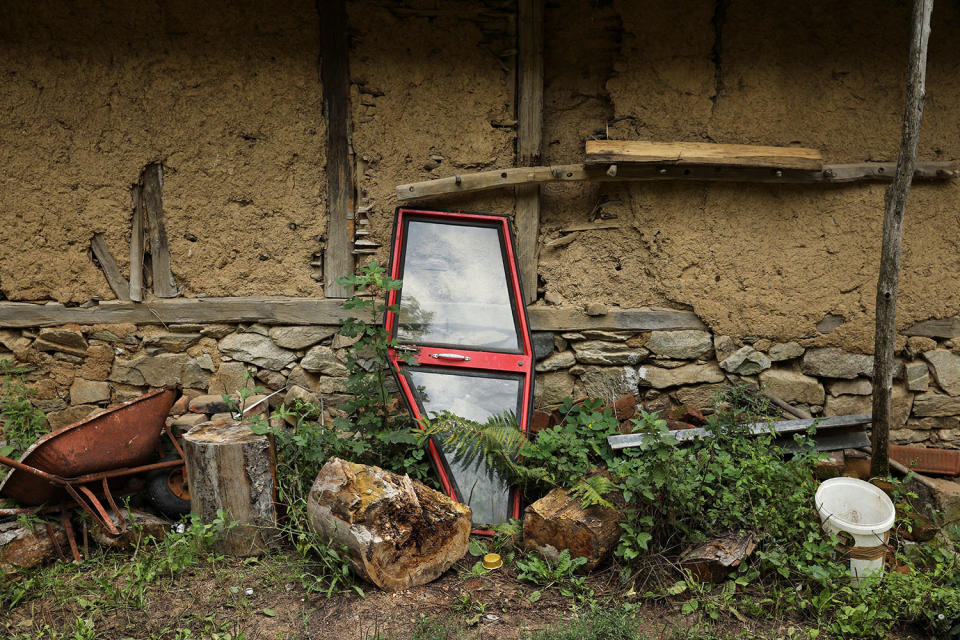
x=82, y=460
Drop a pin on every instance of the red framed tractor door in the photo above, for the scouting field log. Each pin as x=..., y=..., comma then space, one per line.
x=460, y=310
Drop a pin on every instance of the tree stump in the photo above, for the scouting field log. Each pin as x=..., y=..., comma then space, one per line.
x=230, y=468
x=400, y=533
x=557, y=521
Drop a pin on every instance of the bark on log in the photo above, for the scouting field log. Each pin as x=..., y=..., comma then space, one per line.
x=140, y=526
x=557, y=521
x=713, y=560
x=230, y=468
x=400, y=533
x=24, y=548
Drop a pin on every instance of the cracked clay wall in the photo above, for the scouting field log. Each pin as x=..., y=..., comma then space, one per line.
x=751, y=260
x=226, y=94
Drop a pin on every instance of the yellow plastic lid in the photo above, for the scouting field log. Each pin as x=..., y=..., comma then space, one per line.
x=492, y=561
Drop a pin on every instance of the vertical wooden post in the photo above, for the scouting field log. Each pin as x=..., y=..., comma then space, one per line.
x=151, y=195
x=341, y=190
x=895, y=206
x=136, y=244
x=529, y=136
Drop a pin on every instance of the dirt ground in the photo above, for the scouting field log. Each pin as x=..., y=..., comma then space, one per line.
x=213, y=600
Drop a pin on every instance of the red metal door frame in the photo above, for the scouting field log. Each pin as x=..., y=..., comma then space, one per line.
x=466, y=359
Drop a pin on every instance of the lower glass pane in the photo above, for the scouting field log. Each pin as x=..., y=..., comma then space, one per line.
x=475, y=397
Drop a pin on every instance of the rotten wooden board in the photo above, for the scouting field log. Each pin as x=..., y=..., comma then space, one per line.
x=151, y=195
x=779, y=428
x=936, y=328
x=308, y=311
x=519, y=176
x=119, y=284
x=701, y=153
x=341, y=189
x=529, y=137
x=136, y=244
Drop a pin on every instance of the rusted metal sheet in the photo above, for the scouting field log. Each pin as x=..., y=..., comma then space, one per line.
x=118, y=437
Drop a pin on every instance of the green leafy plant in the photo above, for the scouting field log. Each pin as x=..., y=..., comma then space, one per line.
x=547, y=573
x=20, y=422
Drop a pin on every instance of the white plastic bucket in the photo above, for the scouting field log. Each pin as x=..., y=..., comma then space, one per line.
x=862, y=510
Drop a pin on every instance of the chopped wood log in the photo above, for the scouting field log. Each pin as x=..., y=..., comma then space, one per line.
x=557, y=521
x=701, y=153
x=25, y=547
x=400, y=533
x=230, y=468
x=714, y=560
x=98, y=244
x=139, y=526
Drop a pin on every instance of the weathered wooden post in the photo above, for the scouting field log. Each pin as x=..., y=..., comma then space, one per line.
x=896, y=204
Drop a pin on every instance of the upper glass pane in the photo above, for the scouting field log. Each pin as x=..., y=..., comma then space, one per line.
x=475, y=398
x=455, y=288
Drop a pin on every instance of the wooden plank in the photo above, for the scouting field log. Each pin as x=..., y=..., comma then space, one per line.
x=936, y=328
x=136, y=244
x=519, y=176
x=341, y=188
x=119, y=284
x=308, y=311
x=895, y=206
x=152, y=197
x=779, y=428
x=564, y=319
x=487, y=180
x=701, y=153
x=529, y=137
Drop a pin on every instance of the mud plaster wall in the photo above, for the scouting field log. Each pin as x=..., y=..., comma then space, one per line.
x=230, y=100
x=751, y=260
x=226, y=94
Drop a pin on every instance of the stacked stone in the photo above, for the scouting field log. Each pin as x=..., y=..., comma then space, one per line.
x=75, y=370
x=668, y=369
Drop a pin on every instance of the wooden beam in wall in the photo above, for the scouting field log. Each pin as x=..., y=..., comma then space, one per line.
x=520, y=176
x=151, y=195
x=119, y=284
x=309, y=311
x=529, y=136
x=341, y=188
x=136, y=244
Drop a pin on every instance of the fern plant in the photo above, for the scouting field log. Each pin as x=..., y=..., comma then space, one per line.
x=496, y=442
x=590, y=491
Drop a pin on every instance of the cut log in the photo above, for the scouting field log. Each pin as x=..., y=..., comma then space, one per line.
x=25, y=547
x=557, y=521
x=232, y=469
x=715, y=559
x=139, y=526
x=399, y=533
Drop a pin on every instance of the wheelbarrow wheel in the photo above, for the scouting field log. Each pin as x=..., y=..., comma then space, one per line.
x=168, y=492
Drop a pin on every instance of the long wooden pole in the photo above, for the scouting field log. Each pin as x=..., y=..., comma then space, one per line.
x=896, y=205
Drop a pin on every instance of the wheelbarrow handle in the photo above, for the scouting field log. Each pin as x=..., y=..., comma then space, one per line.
x=28, y=469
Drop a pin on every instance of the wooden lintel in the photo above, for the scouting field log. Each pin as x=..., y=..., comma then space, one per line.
x=341, y=189
x=515, y=177
x=119, y=284
x=606, y=152
x=937, y=328
x=307, y=311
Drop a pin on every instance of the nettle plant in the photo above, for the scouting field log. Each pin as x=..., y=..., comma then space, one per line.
x=20, y=422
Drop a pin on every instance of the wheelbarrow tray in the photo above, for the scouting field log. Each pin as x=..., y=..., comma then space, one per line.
x=112, y=439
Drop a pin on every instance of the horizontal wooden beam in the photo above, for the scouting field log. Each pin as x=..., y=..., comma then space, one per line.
x=307, y=311
x=829, y=174
x=936, y=328
x=701, y=153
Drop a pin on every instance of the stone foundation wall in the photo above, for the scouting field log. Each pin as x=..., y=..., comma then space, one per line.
x=75, y=370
